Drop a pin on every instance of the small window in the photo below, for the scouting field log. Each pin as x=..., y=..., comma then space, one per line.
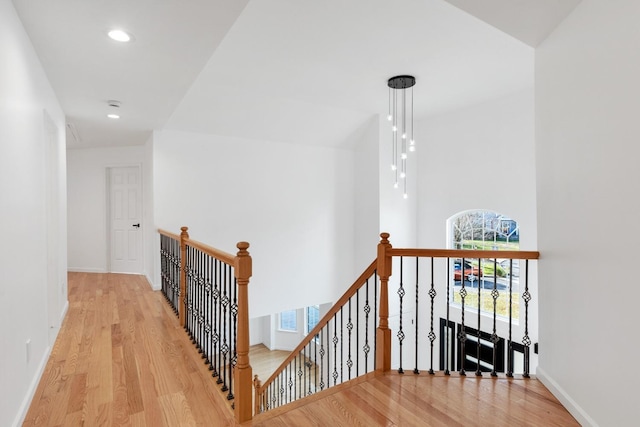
x=289, y=321
x=312, y=317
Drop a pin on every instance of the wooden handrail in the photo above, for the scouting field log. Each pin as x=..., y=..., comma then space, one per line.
x=360, y=281
x=169, y=234
x=463, y=253
x=225, y=257
x=209, y=250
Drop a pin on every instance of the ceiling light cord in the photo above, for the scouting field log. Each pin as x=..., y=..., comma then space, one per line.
x=399, y=155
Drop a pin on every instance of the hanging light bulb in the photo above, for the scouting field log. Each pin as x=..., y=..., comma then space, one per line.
x=400, y=114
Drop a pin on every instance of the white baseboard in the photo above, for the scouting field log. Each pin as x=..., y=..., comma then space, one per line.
x=86, y=270
x=64, y=312
x=574, y=409
x=31, y=391
x=154, y=286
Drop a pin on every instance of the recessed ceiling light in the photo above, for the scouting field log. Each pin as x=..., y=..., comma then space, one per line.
x=119, y=35
x=113, y=116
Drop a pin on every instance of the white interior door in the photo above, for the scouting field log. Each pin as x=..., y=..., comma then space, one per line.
x=125, y=206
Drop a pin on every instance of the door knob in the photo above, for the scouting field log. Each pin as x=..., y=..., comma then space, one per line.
x=137, y=225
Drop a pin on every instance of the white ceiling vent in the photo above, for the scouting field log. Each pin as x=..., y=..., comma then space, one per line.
x=72, y=134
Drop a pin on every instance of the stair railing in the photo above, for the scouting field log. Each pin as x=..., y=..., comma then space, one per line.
x=341, y=347
x=344, y=337
x=484, y=307
x=208, y=290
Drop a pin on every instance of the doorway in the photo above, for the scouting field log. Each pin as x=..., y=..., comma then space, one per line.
x=125, y=219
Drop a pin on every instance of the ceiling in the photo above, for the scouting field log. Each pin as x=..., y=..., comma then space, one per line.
x=283, y=70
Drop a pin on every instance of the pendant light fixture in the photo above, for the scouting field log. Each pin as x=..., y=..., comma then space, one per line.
x=401, y=118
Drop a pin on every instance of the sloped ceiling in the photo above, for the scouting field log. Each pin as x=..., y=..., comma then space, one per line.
x=530, y=21
x=284, y=70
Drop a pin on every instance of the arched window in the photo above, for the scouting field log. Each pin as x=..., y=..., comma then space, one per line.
x=485, y=230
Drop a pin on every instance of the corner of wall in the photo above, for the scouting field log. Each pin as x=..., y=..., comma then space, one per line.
x=152, y=285
x=574, y=409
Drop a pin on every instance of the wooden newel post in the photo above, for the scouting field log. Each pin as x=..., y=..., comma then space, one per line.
x=182, y=303
x=383, y=333
x=243, y=375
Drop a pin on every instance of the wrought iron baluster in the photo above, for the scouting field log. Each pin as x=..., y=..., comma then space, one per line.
x=186, y=290
x=526, y=340
x=462, y=333
x=200, y=301
x=315, y=366
x=328, y=357
x=349, y=329
x=478, y=371
x=375, y=317
x=358, y=332
x=495, y=294
x=446, y=336
x=281, y=390
x=233, y=322
x=203, y=301
x=300, y=372
x=206, y=338
x=341, y=345
x=432, y=335
x=177, y=274
x=509, y=342
x=367, y=310
x=189, y=293
x=322, y=353
x=401, y=294
x=417, y=321
x=292, y=390
x=225, y=343
x=335, y=349
x=217, y=274
x=229, y=356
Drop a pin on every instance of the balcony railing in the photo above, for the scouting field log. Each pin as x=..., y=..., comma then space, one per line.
x=207, y=288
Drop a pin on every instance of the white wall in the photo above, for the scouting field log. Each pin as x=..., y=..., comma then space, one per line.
x=26, y=97
x=87, y=203
x=367, y=196
x=293, y=204
x=151, y=236
x=587, y=131
x=481, y=157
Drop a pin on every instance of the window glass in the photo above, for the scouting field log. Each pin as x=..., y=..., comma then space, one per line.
x=313, y=317
x=288, y=321
x=485, y=230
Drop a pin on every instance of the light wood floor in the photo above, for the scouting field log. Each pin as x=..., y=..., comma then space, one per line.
x=392, y=399
x=121, y=359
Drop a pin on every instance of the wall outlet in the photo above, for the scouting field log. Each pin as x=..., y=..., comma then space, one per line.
x=28, y=350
